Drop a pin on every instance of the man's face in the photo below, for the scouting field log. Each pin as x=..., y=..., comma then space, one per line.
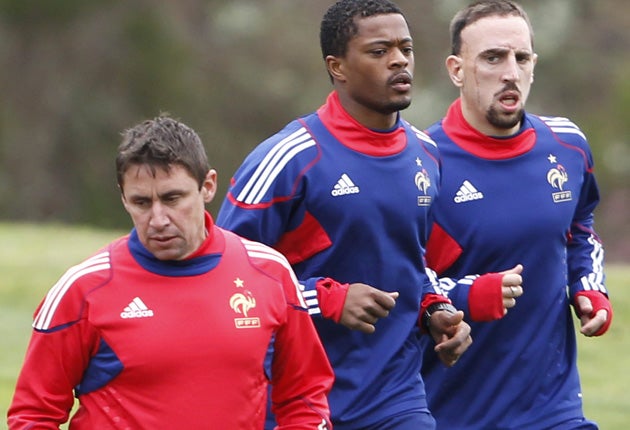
x=167, y=209
x=374, y=77
x=494, y=71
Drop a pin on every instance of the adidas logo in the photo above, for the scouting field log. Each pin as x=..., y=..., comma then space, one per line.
x=344, y=186
x=136, y=309
x=467, y=192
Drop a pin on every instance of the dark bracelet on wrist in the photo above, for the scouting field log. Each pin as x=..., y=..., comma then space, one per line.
x=441, y=306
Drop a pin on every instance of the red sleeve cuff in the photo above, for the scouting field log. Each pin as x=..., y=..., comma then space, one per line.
x=485, y=298
x=599, y=301
x=331, y=296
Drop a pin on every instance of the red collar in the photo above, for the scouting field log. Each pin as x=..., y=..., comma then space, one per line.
x=494, y=148
x=355, y=136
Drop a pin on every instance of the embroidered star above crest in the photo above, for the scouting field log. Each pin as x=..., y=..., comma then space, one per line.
x=238, y=282
x=418, y=161
x=552, y=159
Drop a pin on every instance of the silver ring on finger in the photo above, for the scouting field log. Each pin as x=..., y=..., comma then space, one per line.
x=513, y=290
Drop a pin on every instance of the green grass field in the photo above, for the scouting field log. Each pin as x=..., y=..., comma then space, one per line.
x=33, y=257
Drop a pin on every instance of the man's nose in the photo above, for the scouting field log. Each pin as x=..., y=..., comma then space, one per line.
x=159, y=216
x=511, y=72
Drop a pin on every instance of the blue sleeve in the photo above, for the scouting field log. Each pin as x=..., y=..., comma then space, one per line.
x=457, y=290
x=585, y=253
x=265, y=197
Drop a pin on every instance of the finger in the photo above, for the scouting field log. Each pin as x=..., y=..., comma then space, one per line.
x=362, y=327
x=444, y=321
x=590, y=326
x=518, y=269
x=459, y=336
x=385, y=299
x=509, y=302
x=454, y=318
x=358, y=321
x=455, y=346
x=511, y=291
x=584, y=305
x=374, y=312
x=369, y=316
x=375, y=309
x=512, y=280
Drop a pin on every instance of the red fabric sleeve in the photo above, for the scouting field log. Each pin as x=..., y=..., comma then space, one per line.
x=485, y=298
x=599, y=301
x=301, y=374
x=331, y=296
x=53, y=366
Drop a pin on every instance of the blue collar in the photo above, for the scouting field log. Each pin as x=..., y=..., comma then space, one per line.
x=188, y=267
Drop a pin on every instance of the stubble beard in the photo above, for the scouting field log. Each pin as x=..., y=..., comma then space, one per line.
x=395, y=106
x=504, y=122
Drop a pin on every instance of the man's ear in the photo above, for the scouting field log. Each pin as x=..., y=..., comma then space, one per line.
x=209, y=186
x=335, y=68
x=534, y=61
x=455, y=71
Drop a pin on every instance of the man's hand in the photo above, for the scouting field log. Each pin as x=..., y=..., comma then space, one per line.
x=492, y=294
x=592, y=324
x=511, y=286
x=364, y=306
x=451, y=335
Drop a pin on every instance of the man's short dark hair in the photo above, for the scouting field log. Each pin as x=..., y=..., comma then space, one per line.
x=338, y=26
x=160, y=143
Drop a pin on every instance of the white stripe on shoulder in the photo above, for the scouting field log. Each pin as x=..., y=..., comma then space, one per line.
x=273, y=163
x=51, y=302
x=562, y=125
x=423, y=136
x=260, y=250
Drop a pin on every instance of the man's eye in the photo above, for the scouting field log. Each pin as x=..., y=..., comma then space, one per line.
x=171, y=199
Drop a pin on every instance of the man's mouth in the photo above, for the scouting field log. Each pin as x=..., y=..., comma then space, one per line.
x=509, y=100
x=161, y=240
x=401, y=82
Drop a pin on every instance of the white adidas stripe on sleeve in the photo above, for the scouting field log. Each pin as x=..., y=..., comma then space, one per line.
x=273, y=163
x=51, y=302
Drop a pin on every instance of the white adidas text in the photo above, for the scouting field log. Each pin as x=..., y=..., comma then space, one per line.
x=344, y=186
x=467, y=192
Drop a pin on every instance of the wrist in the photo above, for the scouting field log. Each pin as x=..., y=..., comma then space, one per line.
x=331, y=296
x=433, y=308
x=485, y=298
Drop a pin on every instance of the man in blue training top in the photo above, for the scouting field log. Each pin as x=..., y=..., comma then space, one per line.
x=345, y=193
x=516, y=189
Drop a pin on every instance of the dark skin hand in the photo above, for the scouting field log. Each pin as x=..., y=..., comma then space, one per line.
x=451, y=335
x=364, y=306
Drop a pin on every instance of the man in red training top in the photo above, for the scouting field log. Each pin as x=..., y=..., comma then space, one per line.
x=177, y=324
